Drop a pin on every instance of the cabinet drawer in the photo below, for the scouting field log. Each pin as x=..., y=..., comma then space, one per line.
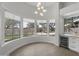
x=74, y=43
x=72, y=46
x=71, y=38
x=74, y=49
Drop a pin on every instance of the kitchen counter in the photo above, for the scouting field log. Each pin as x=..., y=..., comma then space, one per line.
x=69, y=35
x=73, y=42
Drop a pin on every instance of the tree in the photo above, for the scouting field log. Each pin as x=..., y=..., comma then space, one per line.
x=10, y=24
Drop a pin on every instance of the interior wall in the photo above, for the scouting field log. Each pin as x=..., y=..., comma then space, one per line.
x=9, y=47
x=1, y=26
x=54, y=14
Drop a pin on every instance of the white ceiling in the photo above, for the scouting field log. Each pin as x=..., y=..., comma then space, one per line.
x=27, y=9
x=45, y=4
x=70, y=11
x=65, y=4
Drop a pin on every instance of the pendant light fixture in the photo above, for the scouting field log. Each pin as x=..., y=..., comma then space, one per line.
x=40, y=9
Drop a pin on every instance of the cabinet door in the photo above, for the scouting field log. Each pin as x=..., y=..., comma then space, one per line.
x=74, y=44
x=72, y=41
x=77, y=44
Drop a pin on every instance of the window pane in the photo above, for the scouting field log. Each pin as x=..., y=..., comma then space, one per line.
x=52, y=27
x=71, y=25
x=16, y=30
x=28, y=27
x=12, y=28
x=41, y=27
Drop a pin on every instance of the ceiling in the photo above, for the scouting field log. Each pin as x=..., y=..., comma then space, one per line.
x=65, y=4
x=70, y=10
x=26, y=9
x=49, y=4
x=45, y=4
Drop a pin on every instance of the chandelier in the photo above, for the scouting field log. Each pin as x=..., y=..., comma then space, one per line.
x=40, y=10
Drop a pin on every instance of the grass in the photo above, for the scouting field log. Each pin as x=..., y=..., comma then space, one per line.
x=10, y=37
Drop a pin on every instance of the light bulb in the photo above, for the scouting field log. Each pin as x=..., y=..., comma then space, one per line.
x=44, y=10
x=38, y=8
x=38, y=4
x=42, y=7
x=41, y=14
x=40, y=26
x=36, y=12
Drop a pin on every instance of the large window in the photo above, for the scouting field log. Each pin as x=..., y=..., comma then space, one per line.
x=52, y=27
x=41, y=27
x=12, y=27
x=28, y=27
x=71, y=25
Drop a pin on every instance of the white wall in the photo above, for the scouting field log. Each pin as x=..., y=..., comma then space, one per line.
x=54, y=14
x=1, y=26
x=8, y=47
